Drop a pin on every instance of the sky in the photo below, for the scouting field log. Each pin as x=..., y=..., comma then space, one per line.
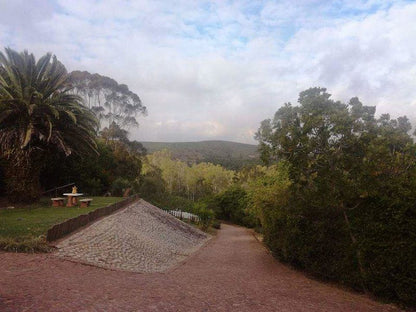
x=213, y=70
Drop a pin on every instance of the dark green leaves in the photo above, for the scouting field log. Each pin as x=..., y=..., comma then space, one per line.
x=352, y=193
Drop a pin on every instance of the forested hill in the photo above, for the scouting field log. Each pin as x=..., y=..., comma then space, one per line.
x=231, y=155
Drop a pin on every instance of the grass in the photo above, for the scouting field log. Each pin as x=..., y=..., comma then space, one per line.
x=24, y=228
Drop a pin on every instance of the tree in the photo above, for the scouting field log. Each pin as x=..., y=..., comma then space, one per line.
x=38, y=115
x=114, y=136
x=194, y=181
x=111, y=102
x=231, y=205
x=350, y=196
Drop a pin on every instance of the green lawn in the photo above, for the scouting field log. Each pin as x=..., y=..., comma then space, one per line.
x=32, y=222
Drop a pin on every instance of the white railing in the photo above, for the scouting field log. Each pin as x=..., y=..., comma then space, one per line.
x=183, y=215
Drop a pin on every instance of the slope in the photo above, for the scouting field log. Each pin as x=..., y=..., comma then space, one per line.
x=140, y=238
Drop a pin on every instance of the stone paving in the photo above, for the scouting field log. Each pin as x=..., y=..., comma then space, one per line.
x=140, y=238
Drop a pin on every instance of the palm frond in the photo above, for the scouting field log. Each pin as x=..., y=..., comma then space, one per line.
x=36, y=108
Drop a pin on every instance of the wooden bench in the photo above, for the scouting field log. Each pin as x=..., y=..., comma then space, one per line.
x=57, y=201
x=85, y=202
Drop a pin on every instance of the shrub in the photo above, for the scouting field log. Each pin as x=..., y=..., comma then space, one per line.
x=206, y=215
x=152, y=186
x=216, y=224
x=93, y=186
x=29, y=244
x=232, y=205
x=119, y=186
x=170, y=202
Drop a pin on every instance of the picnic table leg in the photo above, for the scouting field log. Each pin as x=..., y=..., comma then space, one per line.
x=69, y=202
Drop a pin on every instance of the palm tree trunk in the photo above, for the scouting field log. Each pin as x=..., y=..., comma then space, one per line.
x=22, y=177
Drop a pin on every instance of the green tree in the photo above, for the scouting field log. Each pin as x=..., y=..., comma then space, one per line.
x=232, y=205
x=352, y=179
x=38, y=116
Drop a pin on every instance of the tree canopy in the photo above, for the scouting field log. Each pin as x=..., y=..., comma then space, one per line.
x=38, y=114
x=109, y=100
x=351, y=195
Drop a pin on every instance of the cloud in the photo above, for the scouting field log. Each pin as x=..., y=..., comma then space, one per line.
x=373, y=57
x=215, y=69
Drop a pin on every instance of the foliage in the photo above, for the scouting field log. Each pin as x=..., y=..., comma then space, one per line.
x=170, y=202
x=232, y=205
x=2, y=177
x=345, y=212
x=152, y=186
x=28, y=245
x=119, y=186
x=193, y=182
x=216, y=224
x=230, y=155
x=114, y=135
x=111, y=102
x=38, y=115
x=206, y=216
x=267, y=193
x=94, y=174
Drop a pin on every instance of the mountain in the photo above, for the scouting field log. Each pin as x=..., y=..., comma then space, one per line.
x=231, y=155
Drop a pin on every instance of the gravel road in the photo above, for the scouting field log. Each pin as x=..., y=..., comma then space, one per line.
x=233, y=272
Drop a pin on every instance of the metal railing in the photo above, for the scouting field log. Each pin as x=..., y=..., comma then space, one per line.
x=57, y=188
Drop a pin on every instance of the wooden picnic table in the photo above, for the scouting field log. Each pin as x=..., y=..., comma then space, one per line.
x=72, y=198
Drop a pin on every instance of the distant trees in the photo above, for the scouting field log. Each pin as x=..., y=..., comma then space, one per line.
x=37, y=116
x=192, y=182
x=110, y=101
x=346, y=211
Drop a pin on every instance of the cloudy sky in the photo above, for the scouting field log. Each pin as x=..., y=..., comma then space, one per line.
x=215, y=69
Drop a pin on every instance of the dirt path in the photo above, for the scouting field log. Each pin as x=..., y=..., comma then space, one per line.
x=232, y=273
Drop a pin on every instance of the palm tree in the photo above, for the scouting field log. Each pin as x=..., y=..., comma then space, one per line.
x=37, y=116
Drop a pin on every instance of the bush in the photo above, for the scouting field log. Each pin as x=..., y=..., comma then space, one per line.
x=152, y=186
x=232, y=205
x=170, y=202
x=216, y=224
x=29, y=244
x=2, y=178
x=119, y=186
x=206, y=215
x=93, y=186
x=348, y=213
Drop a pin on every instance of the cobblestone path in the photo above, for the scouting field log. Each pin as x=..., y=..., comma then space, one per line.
x=233, y=272
x=140, y=238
